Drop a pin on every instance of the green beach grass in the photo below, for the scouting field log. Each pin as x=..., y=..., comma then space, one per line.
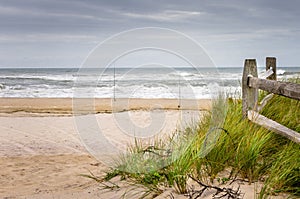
x=249, y=152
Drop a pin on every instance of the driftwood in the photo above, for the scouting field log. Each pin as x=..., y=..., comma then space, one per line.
x=224, y=192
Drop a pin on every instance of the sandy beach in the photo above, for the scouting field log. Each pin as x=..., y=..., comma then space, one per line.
x=64, y=106
x=176, y=99
x=41, y=155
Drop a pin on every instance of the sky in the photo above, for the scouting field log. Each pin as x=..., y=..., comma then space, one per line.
x=62, y=33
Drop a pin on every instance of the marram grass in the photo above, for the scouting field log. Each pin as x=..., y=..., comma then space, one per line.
x=249, y=151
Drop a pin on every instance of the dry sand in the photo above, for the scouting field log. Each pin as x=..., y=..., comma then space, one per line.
x=41, y=155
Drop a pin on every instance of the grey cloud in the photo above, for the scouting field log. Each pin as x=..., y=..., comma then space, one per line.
x=219, y=24
x=166, y=15
x=220, y=14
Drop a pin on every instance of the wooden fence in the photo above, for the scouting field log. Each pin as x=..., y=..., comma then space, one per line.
x=250, y=85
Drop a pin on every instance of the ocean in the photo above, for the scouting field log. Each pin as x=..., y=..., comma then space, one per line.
x=185, y=83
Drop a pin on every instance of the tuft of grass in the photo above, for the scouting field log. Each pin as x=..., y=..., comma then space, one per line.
x=284, y=173
x=285, y=111
x=222, y=140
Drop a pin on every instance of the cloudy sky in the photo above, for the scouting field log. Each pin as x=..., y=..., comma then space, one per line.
x=61, y=33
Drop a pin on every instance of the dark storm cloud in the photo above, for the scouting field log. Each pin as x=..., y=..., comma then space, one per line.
x=73, y=27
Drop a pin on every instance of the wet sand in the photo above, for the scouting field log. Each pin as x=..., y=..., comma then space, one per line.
x=64, y=106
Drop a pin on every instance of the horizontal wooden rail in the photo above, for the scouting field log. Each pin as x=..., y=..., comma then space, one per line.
x=273, y=126
x=286, y=89
x=250, y=85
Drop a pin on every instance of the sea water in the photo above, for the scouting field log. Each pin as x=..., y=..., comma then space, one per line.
x=176, y=82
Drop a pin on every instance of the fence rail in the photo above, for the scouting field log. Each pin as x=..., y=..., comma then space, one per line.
x=286, y=89
x=250, y=85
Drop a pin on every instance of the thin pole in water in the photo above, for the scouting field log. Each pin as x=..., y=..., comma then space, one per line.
x=179, y=92
x=114, y=82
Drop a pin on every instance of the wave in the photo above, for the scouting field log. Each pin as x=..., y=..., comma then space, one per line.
x=2, y=86
x=183, y=74
x=128, y=83
x=131, y=89
x=280, y=72
x=35, y=77
x=17, y=87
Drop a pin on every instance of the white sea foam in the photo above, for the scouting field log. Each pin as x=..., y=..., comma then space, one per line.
x=280, y=72
x=132, y=83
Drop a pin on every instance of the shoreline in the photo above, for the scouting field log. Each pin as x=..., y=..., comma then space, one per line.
x=70, y=106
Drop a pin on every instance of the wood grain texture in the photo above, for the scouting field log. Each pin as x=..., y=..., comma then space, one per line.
x=267, y=123
x=287, y=89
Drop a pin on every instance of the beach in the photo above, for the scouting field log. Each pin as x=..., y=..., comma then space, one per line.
x=145, y=99
x=64, y=106
x=41, y=154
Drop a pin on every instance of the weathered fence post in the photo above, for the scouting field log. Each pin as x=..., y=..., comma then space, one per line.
x=271, y=62
x=250, y=85
x=249, y=95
